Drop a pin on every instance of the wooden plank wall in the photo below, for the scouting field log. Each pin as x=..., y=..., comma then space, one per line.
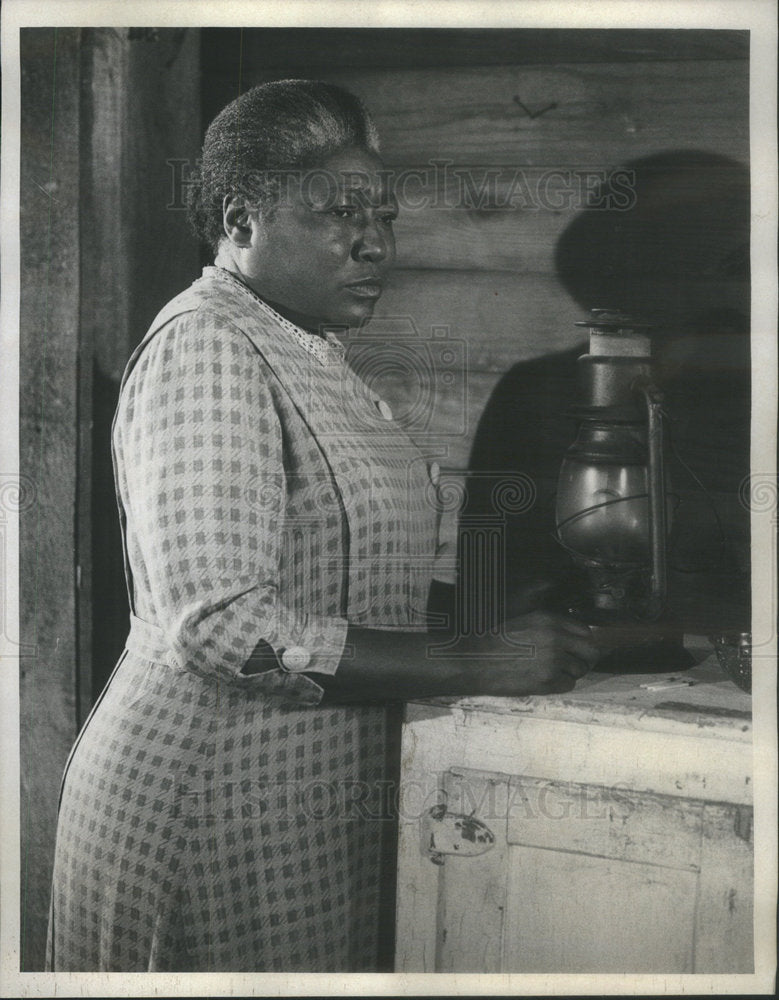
x=486, y=271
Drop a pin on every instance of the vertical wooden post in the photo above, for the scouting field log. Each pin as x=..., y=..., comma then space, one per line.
x=141, y=112
x=49, y=377
x=103, y=246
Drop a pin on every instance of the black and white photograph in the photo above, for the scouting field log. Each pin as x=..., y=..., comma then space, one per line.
x=388, y=498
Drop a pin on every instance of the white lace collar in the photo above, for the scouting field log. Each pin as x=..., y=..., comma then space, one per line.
x=327, y=350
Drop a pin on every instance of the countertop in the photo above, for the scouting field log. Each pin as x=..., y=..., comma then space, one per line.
x=694, y=740
x=708, y=700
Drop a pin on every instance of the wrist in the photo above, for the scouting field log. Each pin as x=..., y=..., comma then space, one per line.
x=455, y=664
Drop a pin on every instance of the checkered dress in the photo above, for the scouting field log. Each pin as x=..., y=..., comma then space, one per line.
x=213, y=818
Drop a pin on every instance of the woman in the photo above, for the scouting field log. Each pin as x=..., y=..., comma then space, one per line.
x=279, y=547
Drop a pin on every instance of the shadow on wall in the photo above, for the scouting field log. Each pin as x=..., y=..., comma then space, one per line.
x=679, y=258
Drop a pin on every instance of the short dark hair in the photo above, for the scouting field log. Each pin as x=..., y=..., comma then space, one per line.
x=277, y=126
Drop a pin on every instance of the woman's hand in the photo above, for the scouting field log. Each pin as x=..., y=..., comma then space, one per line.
x=553, y=652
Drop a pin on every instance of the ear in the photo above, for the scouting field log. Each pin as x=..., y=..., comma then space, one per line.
x=237, y=221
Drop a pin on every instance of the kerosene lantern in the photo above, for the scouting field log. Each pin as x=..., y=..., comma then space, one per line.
x=611, y=512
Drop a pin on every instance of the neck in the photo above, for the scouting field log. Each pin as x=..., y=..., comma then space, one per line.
x=226, y=262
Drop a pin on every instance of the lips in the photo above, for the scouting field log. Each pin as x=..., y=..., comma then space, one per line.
x=368, y=288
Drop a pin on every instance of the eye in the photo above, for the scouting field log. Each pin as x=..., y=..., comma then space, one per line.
x=343, y=211
x=388, y=217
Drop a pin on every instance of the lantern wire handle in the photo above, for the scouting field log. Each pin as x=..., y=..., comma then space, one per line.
x=656, y=489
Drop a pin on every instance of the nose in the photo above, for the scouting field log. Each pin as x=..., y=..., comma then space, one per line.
x=374, y=244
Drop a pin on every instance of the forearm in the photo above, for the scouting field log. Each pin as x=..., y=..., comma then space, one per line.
x=396, y=666
x=546, y=655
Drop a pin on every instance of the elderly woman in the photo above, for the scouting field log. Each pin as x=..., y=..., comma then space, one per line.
x=279, y=548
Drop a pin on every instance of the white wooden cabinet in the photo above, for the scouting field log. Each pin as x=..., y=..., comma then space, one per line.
x=607, y=830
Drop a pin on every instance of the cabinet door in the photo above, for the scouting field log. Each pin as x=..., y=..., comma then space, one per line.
x=600, y=879
x=581, y=913
x=588, y=879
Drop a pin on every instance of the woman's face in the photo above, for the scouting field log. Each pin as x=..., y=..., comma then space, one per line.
x=322, y=255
